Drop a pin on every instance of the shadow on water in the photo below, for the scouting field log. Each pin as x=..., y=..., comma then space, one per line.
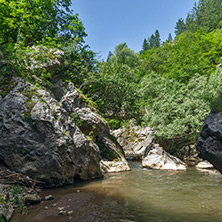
x=136, y=196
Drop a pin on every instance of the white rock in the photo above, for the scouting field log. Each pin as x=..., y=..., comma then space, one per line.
x=204, y=165
x=117, y=165
x=158, y=158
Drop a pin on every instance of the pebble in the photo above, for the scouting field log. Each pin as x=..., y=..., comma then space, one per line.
x=70, y=212
x=61, y=208
x=49, y=197
x=61, y=212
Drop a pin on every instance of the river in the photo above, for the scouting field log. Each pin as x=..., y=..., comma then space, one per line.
x=140, y=195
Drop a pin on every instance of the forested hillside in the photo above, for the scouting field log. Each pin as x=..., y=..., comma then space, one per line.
x=170, y=86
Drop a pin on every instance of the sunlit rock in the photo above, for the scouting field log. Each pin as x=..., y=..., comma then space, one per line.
x=157, y=158
x=134, y=140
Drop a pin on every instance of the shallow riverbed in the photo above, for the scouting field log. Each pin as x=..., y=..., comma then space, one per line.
x=136, y=196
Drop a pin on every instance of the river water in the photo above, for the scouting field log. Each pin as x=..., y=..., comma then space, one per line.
x=137, y=196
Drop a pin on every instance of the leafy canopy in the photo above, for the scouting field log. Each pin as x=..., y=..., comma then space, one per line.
x=37, y=21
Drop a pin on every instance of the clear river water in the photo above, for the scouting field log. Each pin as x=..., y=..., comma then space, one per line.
x=140, y=195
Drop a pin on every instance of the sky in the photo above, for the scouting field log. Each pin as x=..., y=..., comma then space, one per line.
x=111, y=22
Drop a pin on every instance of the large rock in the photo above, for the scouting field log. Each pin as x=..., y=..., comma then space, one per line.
x=40, y=137
x=157, y=158
x=112, y=154
x=209, y=144
x=134, y=141
x=71, y=100
x=92, y=125
x=50, y=58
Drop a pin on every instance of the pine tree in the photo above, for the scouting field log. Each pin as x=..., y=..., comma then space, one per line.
x=180, y=27
x=151, y=41
x=157, y=41
x=170, y=38
x=145, y=45
x=109, y=55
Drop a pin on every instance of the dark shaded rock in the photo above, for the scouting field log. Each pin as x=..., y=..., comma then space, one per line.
x=209, y=144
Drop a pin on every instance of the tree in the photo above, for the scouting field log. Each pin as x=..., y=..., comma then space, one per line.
x=180, y=27
x=34, y=22
x=206, y=14
x=157, y=41
x=124, y=55
x=151, y=41
x=109, y=56
x=145, y=45
x=170, y=38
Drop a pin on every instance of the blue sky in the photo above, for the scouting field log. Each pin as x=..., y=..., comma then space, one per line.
x=111, y=22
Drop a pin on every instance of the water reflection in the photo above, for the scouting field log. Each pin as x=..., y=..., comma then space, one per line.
x=137, y=196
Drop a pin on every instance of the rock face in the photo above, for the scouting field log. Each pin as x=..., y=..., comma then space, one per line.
x=40, y=137
x=209, y=144
x=157, y=158
x=134, y=141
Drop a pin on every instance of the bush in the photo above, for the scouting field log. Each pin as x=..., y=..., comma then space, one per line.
x=175, y=108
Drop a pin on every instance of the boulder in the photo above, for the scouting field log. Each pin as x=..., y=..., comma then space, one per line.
x=209, y=144
x=50, y=58
x=31, y=199
x=75, y=104
x=92, y=125
x=52, y=136
x=39, y=138
x=157, y=158
x=113, y=159
x=117, y=165
x=134, y=140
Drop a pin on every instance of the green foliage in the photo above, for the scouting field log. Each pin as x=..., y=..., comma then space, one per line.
x=114, y=124
x=16, y=191
x=75, y=117
x=175, y=108
x=124, y=55
x=145, y=46
x=152, y=42
x=206, y=14
x=2, y=218
x=23, y=209
x=189, y=53
x=31, y=22
x=114, y=90
x=180, y=27
x=113, y=87
x=216, y=103
x=170, y=38
x=77, y=64
x=2, y=200
x=48, y=25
